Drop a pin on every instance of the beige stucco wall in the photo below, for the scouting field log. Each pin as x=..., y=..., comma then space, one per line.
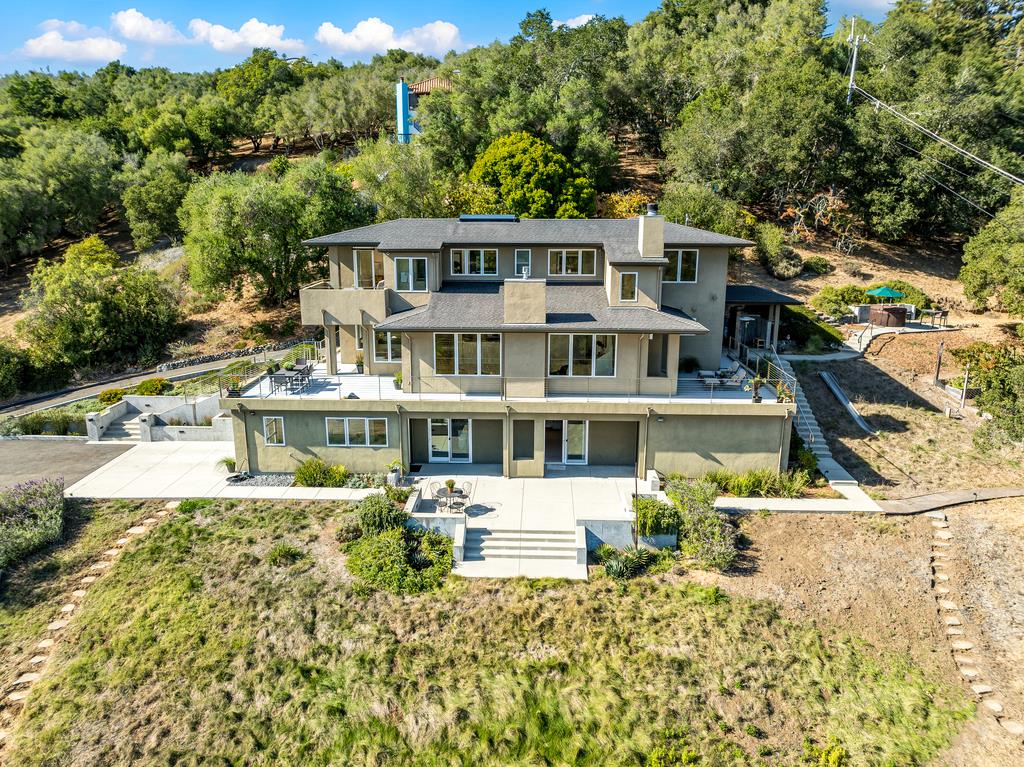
x=648, y=284
x=696, y=444
x=705, y=302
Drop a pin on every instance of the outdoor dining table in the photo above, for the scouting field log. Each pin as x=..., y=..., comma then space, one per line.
x=450, y=495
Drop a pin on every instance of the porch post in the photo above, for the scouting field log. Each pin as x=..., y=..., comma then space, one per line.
x=776, y=316
x=331, y=335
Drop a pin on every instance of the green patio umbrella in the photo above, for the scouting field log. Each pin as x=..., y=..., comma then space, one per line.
x=885, y=292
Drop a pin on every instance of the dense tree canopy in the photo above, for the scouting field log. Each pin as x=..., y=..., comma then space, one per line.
x=994, y=260
x=151, y=193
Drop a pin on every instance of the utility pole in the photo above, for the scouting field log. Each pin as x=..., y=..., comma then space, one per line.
x=856, y=40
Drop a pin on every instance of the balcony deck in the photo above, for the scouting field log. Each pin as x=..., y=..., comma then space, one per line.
x=351, y=385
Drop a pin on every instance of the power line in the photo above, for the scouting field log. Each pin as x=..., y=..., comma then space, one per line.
x=923, y=156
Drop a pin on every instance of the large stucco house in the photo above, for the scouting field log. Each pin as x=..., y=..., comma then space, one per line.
x=528, y=345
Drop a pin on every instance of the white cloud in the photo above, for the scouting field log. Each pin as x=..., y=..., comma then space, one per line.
x=575, y=21
x=53, y=45
x=133, y=25
x=375, y=36
x=73, y=28
x=252, y=34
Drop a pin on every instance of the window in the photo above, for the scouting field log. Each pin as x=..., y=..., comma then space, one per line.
x=273, y=430
x=387, y=346
x=581, y=354
x=523, y=263
x=681, y=267
x=411, y=274
x=572, y=262
x=369, y=266
x=627, y=286
x=468, y=354
x=483, y=262
x=357, y=432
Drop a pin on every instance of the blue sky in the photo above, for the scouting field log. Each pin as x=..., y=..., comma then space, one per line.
x=191, y=36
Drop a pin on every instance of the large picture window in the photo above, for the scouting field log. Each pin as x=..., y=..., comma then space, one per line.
x=357, y=432
x=467, y=354
x=387, y=346
x=411, y=274
x=681, y=267
x=572, y=263
x=581, y=354
x=369, y=268
x=475, y=262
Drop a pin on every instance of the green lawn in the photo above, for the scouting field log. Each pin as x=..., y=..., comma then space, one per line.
x=195, y=650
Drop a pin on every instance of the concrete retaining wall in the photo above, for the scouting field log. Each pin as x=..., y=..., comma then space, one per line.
x=97, y=423
x=151, y=430
x=192, y=411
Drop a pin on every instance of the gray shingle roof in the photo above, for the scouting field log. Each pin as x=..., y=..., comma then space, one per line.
x=618, y=236
x=480, y=306
x=755, y=294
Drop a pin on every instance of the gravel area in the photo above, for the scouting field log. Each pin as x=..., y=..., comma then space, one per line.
x=267, y=480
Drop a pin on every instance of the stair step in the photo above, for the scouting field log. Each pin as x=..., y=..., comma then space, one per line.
x=488, y=533
x=518, y=553
x=488, y=547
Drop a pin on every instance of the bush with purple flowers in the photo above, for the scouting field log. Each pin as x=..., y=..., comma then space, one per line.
x=31, y=516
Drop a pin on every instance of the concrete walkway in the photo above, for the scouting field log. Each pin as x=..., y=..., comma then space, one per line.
x=854, y=500
x=921, y=503
x=175, y=470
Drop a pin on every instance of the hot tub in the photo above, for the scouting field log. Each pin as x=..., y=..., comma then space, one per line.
x=889, y=316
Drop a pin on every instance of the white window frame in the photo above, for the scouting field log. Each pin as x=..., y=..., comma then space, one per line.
x=593, y=356
x=464, y=252
x=679, y=266
x=479, y=355
x=391, y=352
x=636, y=291
x=366, y=430
x=284, y=440
x=426, y=274
x=529, y=261
x=561, y=262
x=377, y=278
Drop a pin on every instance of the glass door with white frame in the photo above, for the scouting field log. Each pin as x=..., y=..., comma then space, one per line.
x=450, y=440
x=575, y=450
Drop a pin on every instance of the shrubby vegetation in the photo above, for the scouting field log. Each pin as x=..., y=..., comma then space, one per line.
x=994, y=260
x=775, y=252
x=759, y=482
x=31, y=516
x=998, y=371
x=705, y=535
x=152, y=190
x=836, y=301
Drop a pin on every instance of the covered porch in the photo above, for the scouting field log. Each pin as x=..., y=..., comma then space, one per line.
x=752, y=316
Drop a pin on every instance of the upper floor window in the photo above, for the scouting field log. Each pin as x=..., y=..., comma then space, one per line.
x=467, y=354
x=524, y=263
x=411, y=274
x=482, y=262
x=627, y=286
x=369, y=266
x=387, y=346
x=273, y=430
x=581, y=263
x=682, y=266
x=581, y=354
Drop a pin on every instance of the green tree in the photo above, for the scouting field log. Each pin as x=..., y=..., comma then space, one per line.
x=994, y=260
x=699, y=206
x=401, y=180
x=38, y=95
x=151, y=195
x=246, y=86
x=533, y=179
x=240, y=227
x=84, y=311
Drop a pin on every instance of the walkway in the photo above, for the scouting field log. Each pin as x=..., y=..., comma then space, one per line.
x=921, y=503
x=170, y=470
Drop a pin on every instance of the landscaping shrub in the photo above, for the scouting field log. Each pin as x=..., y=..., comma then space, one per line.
x=109, y=397
x=401, y=561
x=152, y=387
x=911, y=294
x=705, y=535
x=14, y=366
x=628, y=563
x=775, y=253
x=604, y=552
x=284, y=554
x=378, y=514
x=818, y=265
x=31, y=516
x=397, y=494
x=312, y=473
x=190, y=505
x=348, y=529
x=689, y=364
x=765, y=483
x=836, y=302
x=801, y=327
x=654, y=517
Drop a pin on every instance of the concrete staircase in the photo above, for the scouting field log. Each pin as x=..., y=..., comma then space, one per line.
x=124, y=429
x=814, y=439
x=484, y=543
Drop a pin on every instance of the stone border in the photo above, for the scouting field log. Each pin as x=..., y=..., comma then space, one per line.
x=962, y=648
x=37, y=665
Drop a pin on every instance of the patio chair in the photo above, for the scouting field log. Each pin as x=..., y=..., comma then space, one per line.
x=729, y=370
x=734, y=381
x=461, y=503
x=434, y=487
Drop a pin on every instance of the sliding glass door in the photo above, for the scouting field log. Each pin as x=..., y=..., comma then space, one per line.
x=450, y=440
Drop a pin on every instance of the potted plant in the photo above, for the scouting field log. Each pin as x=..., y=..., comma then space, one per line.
x=359, y=362
x=450, y=484
x=395, y=470
x=754, y=387
x=398, y=380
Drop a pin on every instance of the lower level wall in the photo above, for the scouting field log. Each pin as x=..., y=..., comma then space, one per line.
x=693, y=445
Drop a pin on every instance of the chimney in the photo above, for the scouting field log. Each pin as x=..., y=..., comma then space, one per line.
x=525, y=301
x=651, y=233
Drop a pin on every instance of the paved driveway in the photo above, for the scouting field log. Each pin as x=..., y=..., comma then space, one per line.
x=24, y=459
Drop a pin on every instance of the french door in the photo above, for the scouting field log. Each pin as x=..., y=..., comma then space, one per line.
x=451, y=440
x=567, y=441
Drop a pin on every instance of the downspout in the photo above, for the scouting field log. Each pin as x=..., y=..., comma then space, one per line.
x=506, y=459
